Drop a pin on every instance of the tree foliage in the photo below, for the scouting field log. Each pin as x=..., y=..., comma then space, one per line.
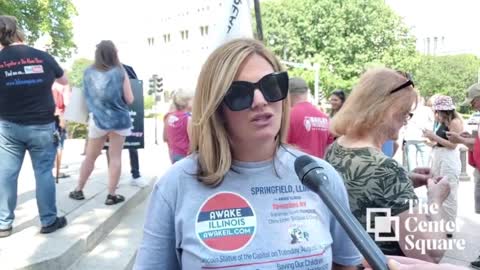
x=449, y=75
x=344, y=37
x=75, y=76
x=44, y=17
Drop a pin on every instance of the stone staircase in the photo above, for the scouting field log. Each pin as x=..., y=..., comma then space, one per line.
x=97, y=236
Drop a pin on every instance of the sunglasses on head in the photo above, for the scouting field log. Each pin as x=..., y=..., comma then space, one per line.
x=409, y=82
x=274, y=87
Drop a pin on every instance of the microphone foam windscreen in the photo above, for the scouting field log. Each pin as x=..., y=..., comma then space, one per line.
x=301, y=162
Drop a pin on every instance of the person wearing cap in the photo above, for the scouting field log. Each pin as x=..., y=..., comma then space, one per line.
x=445, y=154
x=473, y=144
x=308, y=128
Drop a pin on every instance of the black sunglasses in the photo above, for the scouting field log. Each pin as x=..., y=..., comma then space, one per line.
x=408, y=76
x=274, y=87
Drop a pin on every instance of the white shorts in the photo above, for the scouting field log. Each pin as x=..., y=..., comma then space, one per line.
x=95, y=132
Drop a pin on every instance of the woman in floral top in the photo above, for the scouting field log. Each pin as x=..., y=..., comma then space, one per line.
x=377, y=108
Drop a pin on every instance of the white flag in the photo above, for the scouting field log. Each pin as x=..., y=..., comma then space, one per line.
x=234, y=22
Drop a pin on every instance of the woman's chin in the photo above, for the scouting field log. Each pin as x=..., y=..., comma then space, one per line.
x=261, y=137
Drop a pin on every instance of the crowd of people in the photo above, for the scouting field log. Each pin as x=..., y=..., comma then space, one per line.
x=242, y=149
x=232, y=197
x=34, y=94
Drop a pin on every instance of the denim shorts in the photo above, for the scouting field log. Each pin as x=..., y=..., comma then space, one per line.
x=95, y=132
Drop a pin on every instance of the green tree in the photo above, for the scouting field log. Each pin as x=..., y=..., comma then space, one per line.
x=448, y=75
x=344, y=37
x=44, y=17
x=75, y=76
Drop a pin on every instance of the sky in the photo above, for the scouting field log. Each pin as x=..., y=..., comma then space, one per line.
x=106, y=19
x=123, y=21
x=457, y=20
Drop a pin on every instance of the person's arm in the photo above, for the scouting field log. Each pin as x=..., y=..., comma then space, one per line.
x=130, y=72
x=63, y=80
x=164, y=133
x=127, y=90
x=60, y=74
x=419, y=176
x=405, y=263
x=437, y=193
x=396, y=192
x=464, y=138
x=67, y=94
x=158, y=247
x=455, y=126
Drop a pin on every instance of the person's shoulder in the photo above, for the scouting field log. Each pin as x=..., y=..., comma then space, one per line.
x=389, y=168
x=180, y=173
x=40, y=53
x=166, y=116
x=25, y=47
x=125, y=66
x=116, y=70
x=457, y=121
x=386, y=161
x=89, y=69
x=321, y=114
x=119, y=68
x=289, y=154
x=316, y=110
x=89, y=72
x=28, y=51
x=309, y=108
x=186, y=115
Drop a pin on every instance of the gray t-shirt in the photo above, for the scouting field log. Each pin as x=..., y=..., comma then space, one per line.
x=259, y=217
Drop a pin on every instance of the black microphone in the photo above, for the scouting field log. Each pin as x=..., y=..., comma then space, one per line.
x=311, y=175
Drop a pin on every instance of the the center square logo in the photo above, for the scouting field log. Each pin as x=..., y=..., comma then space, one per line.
x=419, y=221
x=383, y=224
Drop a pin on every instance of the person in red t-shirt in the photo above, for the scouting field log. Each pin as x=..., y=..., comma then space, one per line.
x=472, y=141
x=61, y=96
x=308, y=128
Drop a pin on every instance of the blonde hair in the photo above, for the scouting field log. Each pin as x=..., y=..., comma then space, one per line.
x=431, y=100
x=209, y=138
x=181, y=98
x=365, y=108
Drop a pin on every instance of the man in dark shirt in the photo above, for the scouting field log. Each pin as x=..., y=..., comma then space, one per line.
x=26, y=124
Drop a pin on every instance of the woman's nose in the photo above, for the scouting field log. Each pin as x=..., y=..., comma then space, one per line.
x=258, y=99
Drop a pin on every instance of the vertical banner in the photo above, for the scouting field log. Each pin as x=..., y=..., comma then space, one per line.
x=136, y=139
x=234, y=22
